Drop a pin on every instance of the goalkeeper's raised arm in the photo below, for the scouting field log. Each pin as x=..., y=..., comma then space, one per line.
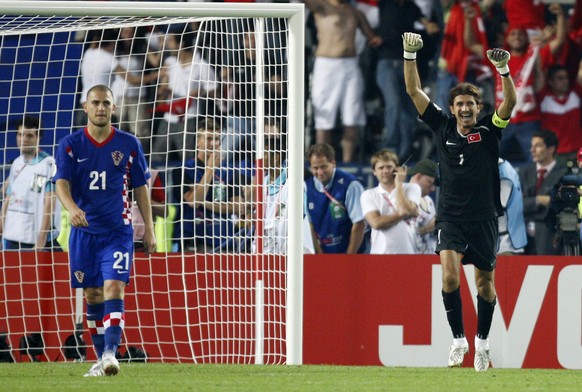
x=500, y=59
x=412, y=43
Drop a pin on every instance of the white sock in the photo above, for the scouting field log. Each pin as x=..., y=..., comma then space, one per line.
x=460, y=342
x=482, y=343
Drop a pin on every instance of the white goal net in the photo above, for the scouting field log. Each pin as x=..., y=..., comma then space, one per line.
x=214, y=92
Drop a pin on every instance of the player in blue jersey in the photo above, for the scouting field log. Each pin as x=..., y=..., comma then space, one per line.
x=96, y=167
x=469, y=202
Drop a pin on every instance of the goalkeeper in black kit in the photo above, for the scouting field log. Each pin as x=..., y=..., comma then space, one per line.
x=469, y=202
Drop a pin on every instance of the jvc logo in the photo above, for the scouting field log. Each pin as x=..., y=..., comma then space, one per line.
x=510, y=344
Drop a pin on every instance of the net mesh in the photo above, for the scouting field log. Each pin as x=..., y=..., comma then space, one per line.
x=202, y=95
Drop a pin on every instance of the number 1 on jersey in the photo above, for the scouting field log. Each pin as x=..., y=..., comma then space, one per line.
x=461, y=159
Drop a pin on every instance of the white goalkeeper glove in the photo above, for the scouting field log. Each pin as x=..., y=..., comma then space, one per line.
x=499, y=58
x=412, y=43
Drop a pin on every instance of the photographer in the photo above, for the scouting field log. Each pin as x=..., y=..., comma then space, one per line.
x=564, y=213
x=537, y=181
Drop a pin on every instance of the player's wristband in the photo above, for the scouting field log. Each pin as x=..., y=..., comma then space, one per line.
x=503, y=71
x=410, y=56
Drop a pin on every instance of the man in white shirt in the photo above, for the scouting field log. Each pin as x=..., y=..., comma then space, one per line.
x=187, y=80
x=29, y=200
x=390, y=208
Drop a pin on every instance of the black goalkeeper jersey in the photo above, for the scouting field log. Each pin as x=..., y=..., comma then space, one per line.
x=468, y=167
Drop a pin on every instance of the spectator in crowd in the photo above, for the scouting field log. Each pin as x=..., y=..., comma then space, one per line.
x=469, y=203
x=97, y=66
x=100, y=67
x=237, y=93
x=238, y=84
x=187, y=84
x=133, y=107
x=463, y=57
x=93, y=167
x=560, y=108
x=495, y=22
x=333, y=202
x=390, y=208
x=424, y=174
x=159, y=45
x=512, y=235
x=337, y=79
x=528, y=15
x=275, y=192
x=369, y=8
x=428, y=59
x=28, y=219
x=526, y=69
x=573, y=50
x=554, y=37
x=537, y=181
x=273, y=239
x=397, y=17
x=212, y=196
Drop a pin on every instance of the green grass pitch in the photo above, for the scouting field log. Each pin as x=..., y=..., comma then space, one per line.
x=143, y=377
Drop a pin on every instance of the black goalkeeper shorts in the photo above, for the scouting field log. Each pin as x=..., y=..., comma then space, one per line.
x=476, y=240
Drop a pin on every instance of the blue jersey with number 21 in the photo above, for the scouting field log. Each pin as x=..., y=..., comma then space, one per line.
x=100, y=175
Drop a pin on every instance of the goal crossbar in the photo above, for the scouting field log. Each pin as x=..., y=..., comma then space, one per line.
x=151, y=9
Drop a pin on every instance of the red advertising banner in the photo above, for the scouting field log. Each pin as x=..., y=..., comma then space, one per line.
x=387, y=310
x=358, y=310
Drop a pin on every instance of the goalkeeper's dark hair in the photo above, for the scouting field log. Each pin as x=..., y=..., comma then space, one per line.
x=30, y=122
x=465, y=89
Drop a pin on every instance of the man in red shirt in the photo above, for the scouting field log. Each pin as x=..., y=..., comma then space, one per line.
x=560, y=108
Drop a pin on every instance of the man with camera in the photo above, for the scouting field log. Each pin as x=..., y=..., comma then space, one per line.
x=564, y=214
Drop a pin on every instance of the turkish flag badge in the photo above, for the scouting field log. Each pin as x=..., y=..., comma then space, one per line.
x=473, y=137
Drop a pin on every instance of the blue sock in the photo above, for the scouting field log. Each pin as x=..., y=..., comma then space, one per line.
x=95, y=325
x=113, y=322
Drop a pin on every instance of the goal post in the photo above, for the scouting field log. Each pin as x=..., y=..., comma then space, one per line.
x=222, y=304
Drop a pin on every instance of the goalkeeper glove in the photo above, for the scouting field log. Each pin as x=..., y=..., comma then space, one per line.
x=412, y=43
x=499, y=58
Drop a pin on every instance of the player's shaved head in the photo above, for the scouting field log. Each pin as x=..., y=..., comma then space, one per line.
x=101, y=88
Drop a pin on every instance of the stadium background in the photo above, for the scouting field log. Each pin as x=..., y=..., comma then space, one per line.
x=351, y=304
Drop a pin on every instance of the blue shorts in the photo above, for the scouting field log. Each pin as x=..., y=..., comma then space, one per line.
x=95, y=258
